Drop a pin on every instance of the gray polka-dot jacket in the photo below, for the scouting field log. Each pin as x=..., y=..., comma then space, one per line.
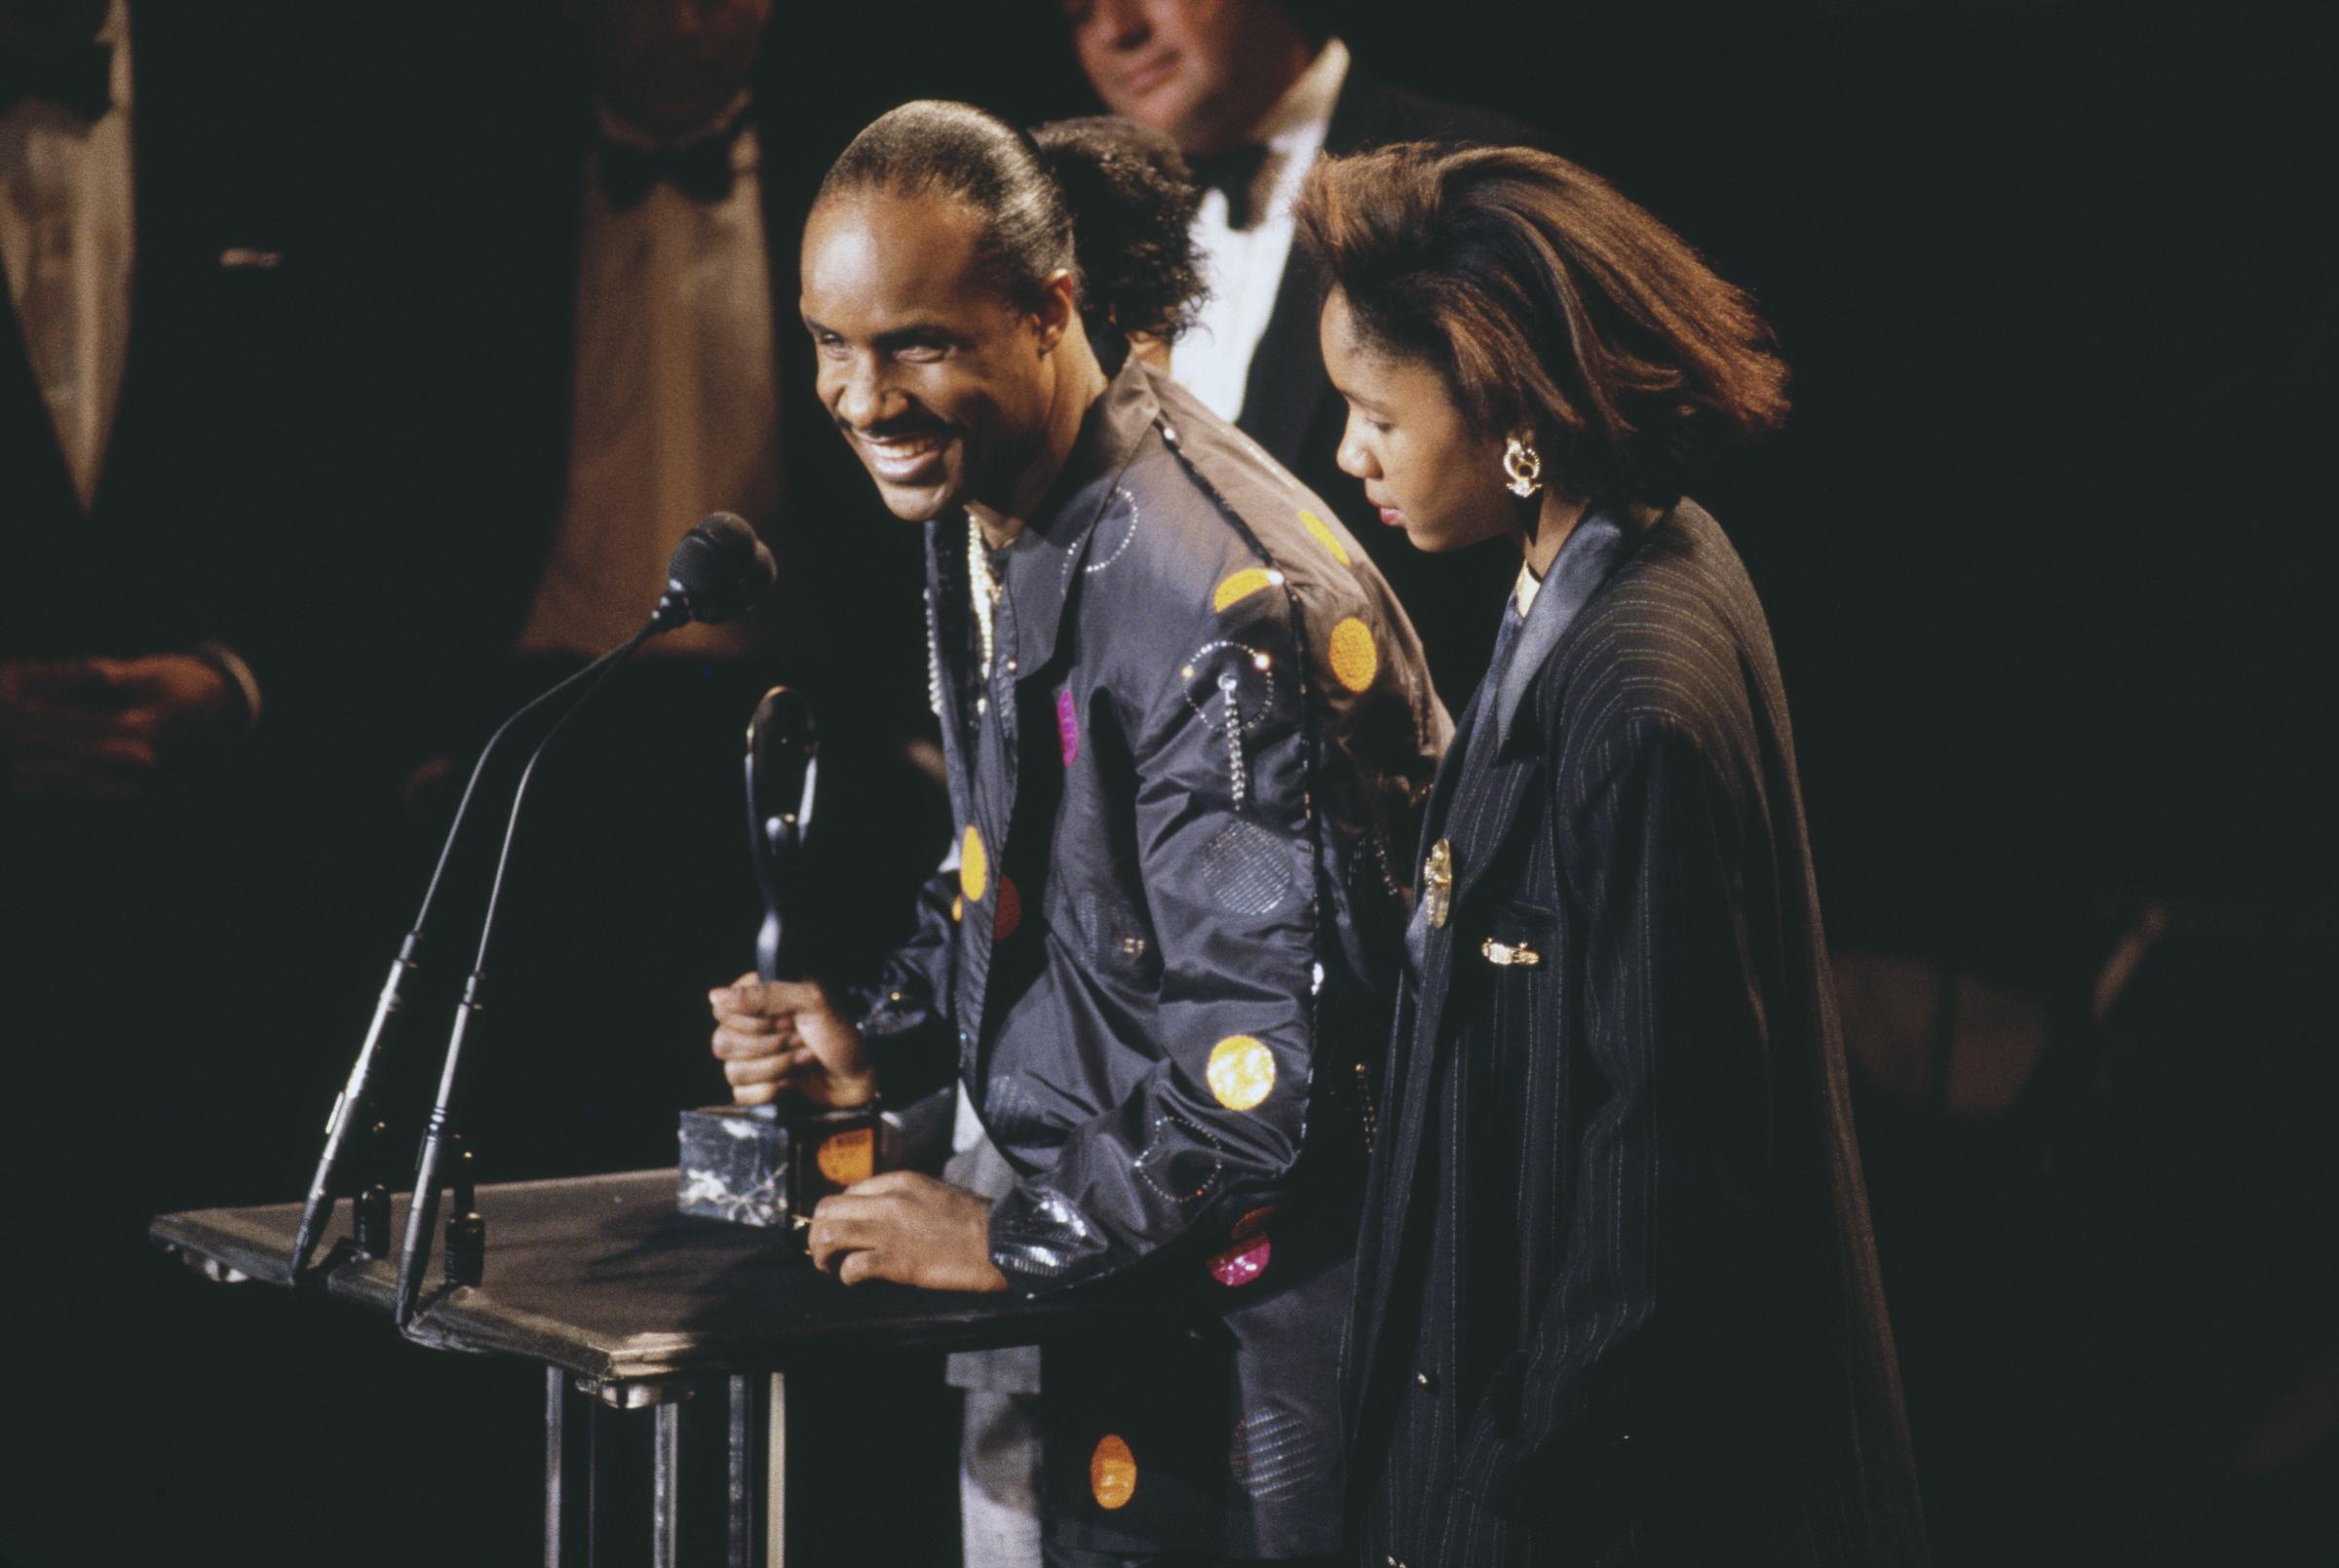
x=1186, y=794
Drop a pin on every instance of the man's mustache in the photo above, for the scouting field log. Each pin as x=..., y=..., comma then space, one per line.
x=892, y=429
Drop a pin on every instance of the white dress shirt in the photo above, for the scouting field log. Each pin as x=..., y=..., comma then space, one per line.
x=68, y=235
x=675, y=404
x=1245, y=267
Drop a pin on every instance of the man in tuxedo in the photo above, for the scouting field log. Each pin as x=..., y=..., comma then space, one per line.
x=1254, y=90
x=199, y=603
x=154, y=310
x=194, y=611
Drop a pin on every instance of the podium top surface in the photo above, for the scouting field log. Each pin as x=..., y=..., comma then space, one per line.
x=601, y=1274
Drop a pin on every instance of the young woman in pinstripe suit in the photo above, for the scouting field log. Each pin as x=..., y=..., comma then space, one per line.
x=1617, y=1296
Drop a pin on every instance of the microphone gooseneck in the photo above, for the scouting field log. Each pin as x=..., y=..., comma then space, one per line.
x=718, y=569
x=351, y=1104
x=437, y=1133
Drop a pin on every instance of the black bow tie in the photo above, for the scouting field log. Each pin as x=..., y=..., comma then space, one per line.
x=82, y=81
x=701, y=170
x=1232, y=173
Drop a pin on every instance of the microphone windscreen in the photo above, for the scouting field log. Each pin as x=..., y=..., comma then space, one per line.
x=721, y=566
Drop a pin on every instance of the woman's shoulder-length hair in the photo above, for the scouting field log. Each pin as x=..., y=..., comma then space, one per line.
x=1550, y=304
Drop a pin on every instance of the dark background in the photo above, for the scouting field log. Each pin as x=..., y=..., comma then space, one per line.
x=2046, y=555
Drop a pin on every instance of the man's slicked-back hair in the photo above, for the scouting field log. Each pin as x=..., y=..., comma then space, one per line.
x=954, y=150
x=1105, y=200
x=1549, y=302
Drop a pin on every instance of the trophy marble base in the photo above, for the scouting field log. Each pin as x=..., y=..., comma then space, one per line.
x=765, y=1165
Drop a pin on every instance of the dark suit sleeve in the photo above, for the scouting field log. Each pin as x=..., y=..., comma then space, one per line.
x=1213, y=1129
x=905, y=1016
x=1672, y=1026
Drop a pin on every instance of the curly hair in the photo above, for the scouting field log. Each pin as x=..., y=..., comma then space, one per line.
x=1103, y=199
x=1548, y=301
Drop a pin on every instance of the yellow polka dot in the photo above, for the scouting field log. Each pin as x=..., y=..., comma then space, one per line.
x=849, y=1156
x=1326, y=537
x=958, y=909
x=1241, y=585
x=1355, y=660
x=1242, y=1072
x=975, y=866
x=1112, y=1472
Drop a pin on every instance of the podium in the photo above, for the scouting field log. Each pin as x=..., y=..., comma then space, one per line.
x=639, y=1314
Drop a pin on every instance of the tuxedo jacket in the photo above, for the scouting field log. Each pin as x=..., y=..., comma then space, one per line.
x=1181, y=792
x=845, y=613
x=1617, y=1296
x=1289, y=407
x=241, y=498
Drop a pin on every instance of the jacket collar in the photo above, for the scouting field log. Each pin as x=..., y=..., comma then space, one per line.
x=1041, y=562
x=1584, y=563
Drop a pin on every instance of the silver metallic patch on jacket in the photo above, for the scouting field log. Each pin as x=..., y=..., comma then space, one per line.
x=1013, y=1113
x=1181, y=1160
x=1204, y=671
x=1274, y=1454
x=1111, y=537
x=1039, y=1235
x=1119, y=937
x=1231, y=687
x=1247, y=869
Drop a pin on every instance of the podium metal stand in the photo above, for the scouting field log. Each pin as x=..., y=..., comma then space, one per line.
x=631, y=1307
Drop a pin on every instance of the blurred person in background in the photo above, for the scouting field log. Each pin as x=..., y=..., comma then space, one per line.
x=1254, y=92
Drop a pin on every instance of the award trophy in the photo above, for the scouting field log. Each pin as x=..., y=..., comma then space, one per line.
x=769, y=1164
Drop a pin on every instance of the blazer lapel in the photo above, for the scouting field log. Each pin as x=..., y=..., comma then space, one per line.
x=42, y=492
x=1584, y=563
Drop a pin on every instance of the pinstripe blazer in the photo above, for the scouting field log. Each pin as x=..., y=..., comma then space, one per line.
x=1617, y=1298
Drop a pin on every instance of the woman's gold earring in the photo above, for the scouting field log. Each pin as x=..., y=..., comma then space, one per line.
x=1523, y=466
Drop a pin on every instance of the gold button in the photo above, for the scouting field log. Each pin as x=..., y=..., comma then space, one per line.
x=1438, y=882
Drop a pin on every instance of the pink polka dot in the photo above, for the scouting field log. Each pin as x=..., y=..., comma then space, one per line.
x=1242, y=1262
x=1067, y=726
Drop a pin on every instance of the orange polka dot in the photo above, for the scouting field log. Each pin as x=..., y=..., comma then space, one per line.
x=1112, y=1472
x=849, y=1156
x=1326, y=537
x=1010, y=914
x=974, y=867
x=1239, y=586
x=1355, y=659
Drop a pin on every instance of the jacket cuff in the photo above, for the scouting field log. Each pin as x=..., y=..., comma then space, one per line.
x=224, y=659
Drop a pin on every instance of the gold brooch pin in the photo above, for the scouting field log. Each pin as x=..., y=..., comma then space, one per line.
x=1518, y=953
x=1437, y=881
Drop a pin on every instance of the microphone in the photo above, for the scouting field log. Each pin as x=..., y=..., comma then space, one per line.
x=718, y=570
